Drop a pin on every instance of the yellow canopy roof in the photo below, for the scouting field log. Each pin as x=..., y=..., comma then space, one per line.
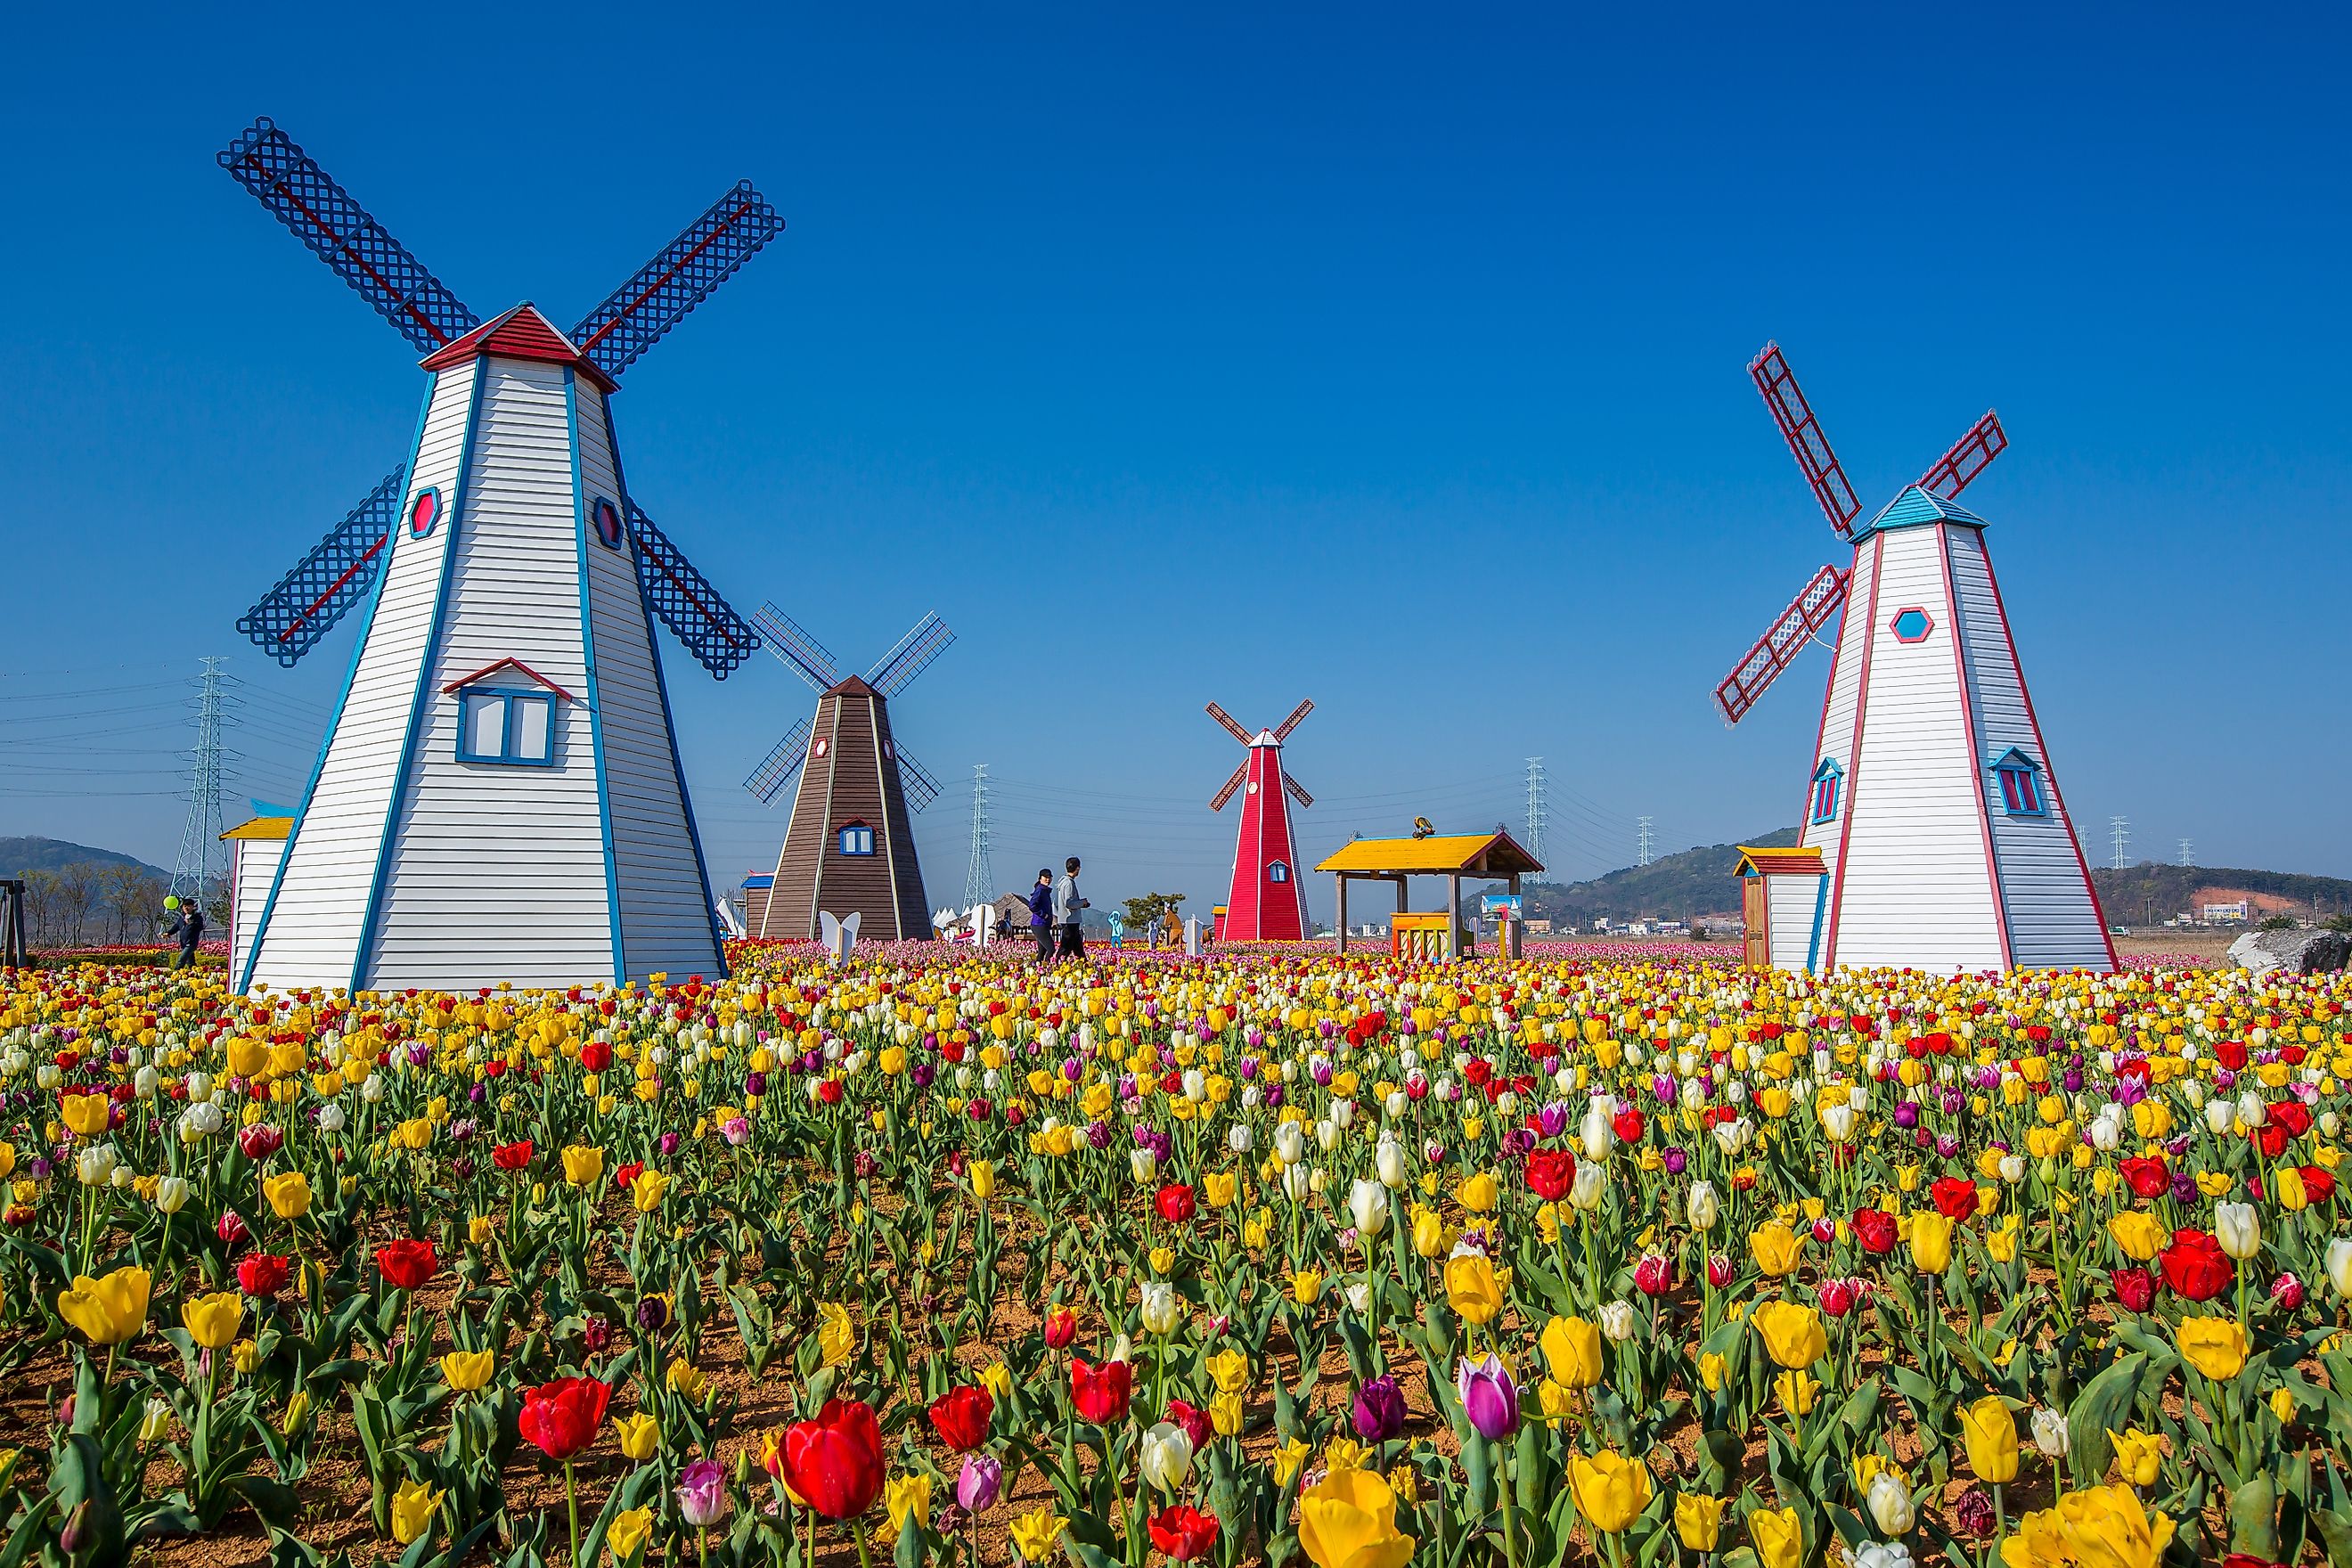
x=1787, y=862
x=1444, y=854
x=263, y=827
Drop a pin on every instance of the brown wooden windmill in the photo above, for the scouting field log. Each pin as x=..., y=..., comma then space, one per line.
x=850, y=847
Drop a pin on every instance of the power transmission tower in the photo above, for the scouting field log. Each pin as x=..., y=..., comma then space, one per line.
x=2188, y=852
x=1536, y=807
x=1642, y=856
x=979, y=878
x=2118, y=835
x=202, y=864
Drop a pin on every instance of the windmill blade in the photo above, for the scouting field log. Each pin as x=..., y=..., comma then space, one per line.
x=913, y=655
x=687, y=602
x=1297, y=791
x=1959, y=467
x=1777, y=648
x=1221, y=717
x=1217, y=802
x=801, y=653
x=915, y=784
x=637, y=314
x=338, y=573
x=1803, y=432
x=322, y=215
x=777, y=768
x=1282, y=731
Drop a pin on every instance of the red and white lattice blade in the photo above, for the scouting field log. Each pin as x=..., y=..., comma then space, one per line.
x=1803, y=432
x=1776, y=649
x=1235, y=731
x=1297, y=791
x=1282, y=731
x=1967, y=458
x=1241, y=776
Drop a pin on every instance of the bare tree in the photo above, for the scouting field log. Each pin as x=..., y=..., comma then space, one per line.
x=143, y=904
x=117, y=888
x=76, y=892
x=40, y=905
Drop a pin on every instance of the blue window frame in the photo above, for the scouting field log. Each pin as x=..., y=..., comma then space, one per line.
x=2019, y=777
x=856, y=839
x=1275, y=871
x=423, y=510
x=1828, y=781
x=604, y=520
x=515, y=729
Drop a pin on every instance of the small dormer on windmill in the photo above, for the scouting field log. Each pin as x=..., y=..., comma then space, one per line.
x=500, y=795
x=849, y=849
x=1933, y=835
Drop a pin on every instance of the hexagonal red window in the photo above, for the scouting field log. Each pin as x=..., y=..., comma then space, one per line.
x=1911, y=625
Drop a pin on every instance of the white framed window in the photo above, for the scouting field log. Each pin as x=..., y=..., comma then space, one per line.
x=1275, y=871
x=856, y=839
x=496, y=724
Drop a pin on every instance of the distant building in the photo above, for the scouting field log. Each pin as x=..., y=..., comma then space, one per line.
x=2235, y=912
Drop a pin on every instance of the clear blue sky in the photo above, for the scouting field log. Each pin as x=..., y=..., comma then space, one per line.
x=1236, y=354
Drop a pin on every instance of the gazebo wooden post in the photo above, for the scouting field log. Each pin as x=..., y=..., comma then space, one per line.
x=1454, y=905
x=1513, y=926
x=1342, y=878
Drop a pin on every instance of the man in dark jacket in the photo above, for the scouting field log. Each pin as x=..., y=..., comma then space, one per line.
x=1041, y=914
x=186, y=921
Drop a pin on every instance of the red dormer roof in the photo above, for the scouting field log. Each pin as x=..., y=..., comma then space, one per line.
x=521, y=333
x=490, y=669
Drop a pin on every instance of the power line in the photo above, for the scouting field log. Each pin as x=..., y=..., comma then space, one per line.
x=980, y=877
x=2118, y=835
x=201, y=850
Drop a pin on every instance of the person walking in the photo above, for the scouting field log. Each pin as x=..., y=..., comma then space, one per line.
x=1041, y=914
x=1066, y=907
x=186, y=921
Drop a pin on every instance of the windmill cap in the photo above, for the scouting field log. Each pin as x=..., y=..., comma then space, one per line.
x=1916, y=507
x=521, y=333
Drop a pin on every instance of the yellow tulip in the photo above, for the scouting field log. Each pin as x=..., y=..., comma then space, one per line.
x=211, y=1320
x=1226, y=1414
x=1571, y=1352
x=465, y=1371
x=1034, y=1532
x=648, y=1190
x=1478, y=1193
x=1798, y=1390
x=1610, y=1489
x=2137, y=1455
x=1990, y=1432
x=1428, y=1233
x=86, y=1115
x=2140, y=1234
x=1792, y=1333
x=1698, y=1521
x=1471, y=1288
x=1713, y=1368
x=108, y=1311
x=639, y=1436
x=907, y=1497
x=1305, y=1286
x=2214, y=1346
x=1775, y=1248
x=583, y=1166
x=625, y=1536
x=982, y=1174
x=1219, y=1188
x=1779, y=1536
x=1229, y=1370
x=1348, y=1521
x=2107, y=1527
x=1931, y=1241
x=413, y=1506
x=835, y=1335
x=288, y=1194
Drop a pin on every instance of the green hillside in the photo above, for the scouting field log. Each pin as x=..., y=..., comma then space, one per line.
x=18, y=856
x=1673, y=886
x=2147, y=893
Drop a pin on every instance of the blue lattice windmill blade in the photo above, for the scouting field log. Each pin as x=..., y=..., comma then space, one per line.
x=805, y=656
x=641, y=311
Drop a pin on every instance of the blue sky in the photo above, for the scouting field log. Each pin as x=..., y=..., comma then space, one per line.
x=1241, y=354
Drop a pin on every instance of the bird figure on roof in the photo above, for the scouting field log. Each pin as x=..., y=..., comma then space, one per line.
x=1421, y=828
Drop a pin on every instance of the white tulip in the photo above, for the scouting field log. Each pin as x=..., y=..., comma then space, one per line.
x=2012, y=1168
x=1160, y=1310
x=1327, y=1135
x=170, y=1194
x=2239, y=1228
x=1359, y=1298
x=331, y=1118
x=1297, y=1182
x=2251, y=1110
x=1703, y=1207
x=1252, y=1097
x=1239, y=1138
x=1388, y=1163
x=2218, y=1115
x=1289, y=1143
x=145, y=1082
x=1585, y=1192
x=1396, y=1103
x=1145, y=1164
x=2050, y=1434
x=2339, y=1265
x=1166, y=1455
x=1890, y=1504
x=1617, y=1321
x=94, y=1166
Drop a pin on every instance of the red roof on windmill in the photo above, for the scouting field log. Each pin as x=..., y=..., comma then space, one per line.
x=521, y=333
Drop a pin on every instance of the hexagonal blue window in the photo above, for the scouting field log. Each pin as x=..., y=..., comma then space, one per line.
x=1911, y=625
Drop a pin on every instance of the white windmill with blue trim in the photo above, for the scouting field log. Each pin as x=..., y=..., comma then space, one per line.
x=1934, y=836
x=498, y=796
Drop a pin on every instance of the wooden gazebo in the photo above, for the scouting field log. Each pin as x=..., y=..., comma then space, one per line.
x=1487, y=856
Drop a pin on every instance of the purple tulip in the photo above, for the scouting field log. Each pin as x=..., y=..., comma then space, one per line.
x=702, y=1494
x=1489, y=1396
x=1676, y=1162
x=977, y=1487
x=1907, y=1114
x=1552, y=1119
x=755, y=1084
x=1379, y=1410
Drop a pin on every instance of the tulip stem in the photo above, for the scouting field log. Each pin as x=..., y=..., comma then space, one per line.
x=1503, y=1482
x=571, y=1502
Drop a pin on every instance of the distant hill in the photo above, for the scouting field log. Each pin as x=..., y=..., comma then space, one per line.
x=18, y=856
x=1699, y=882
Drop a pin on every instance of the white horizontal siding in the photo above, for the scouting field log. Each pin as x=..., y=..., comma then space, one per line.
x=497, y=871
x=2053, y=921
x=1788, y=919
x=1916, y=888
x=255, y=869
x=313, y=933
x=1838, y=713
x=665, y=907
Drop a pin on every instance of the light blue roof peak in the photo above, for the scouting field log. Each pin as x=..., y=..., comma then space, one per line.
x=1916, y=507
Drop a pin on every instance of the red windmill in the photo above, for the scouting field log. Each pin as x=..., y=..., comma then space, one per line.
x=1266, y=904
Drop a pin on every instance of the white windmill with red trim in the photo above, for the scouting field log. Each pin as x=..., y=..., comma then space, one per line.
x=1266, y=903
x=1934, y=834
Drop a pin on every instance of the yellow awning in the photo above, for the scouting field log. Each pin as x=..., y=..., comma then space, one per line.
x=1444, y=853
x=263, y=827
x=1785, y=862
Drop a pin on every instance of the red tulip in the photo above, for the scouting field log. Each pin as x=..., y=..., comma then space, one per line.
x=1837, y=1297
x=2317, y=1184
x=511, y=1156
x=1100, y=1393
x=262, y=1275
x=2269, y=1138
x=561, y=1419
x=626, y=1176
x=1874, y=1228
x=259, y=1141
x=2146, y=1174
x=1718, y=1270
x=834, y=1462
x=1627, y=1124
x=960, y=1417
x=2293, y=1115
x=1194, y=1420
x=1061, y=1328
x=1955, y=1198
x=2196, y=1267
x=1183, y=1532
x=232, y=1229
x=2135, y=1288
x=1550, y=1173
x=1175, y=1203
x=1655, y=1275
x=407, y=1264
x=595, y=1057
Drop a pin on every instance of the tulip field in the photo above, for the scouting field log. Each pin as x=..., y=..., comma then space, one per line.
x=1276, y=1257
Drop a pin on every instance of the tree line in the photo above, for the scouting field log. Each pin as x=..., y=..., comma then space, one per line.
x=86, y=904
